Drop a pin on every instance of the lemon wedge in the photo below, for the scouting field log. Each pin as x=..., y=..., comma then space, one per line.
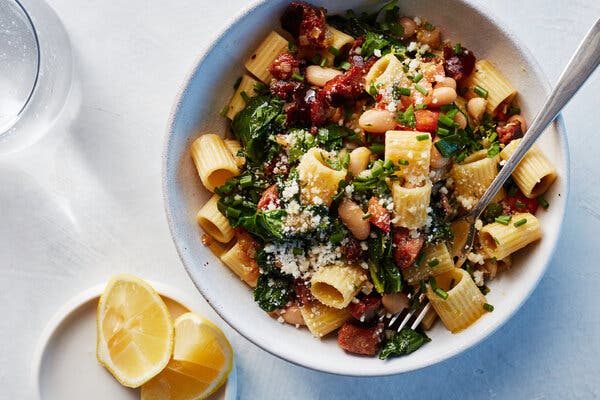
x=134, y=331
x=202, y=360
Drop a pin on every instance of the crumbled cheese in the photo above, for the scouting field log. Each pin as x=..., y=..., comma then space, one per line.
x=478, y=224
x=475, y=258
x=444, y=190
x=478, y=278
x=358, y=50
x=502, y=163
x=466, y=202
x=377, y=53
x=412, y=46
x=417, y=20
x=280, y=319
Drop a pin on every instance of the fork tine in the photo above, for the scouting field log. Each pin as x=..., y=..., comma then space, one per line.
x=421, y=316
x=409, y=315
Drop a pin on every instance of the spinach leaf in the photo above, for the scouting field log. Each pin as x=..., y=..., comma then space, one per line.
x=331, y=136
x=459, y=143
x=240, y=196
x=262, y=117
x=273, y=288
x=302, y=141
x=404, y=342
x=491, y=212
x=373, y=41
x=384, y=273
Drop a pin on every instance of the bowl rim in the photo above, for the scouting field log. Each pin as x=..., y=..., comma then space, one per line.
x=490, y=18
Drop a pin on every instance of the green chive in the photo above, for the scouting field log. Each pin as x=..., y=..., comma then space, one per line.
x=317, y=59
x=514, y=110
x=442, y=131
x=244, y=96
x=493, y=136
x=246, y=181
x=405, y=68
x=493, y=260
x=232, y=212
x=452, y=113
x=297, y=77
x=503, y=219
x=543, y=202
x=402, y=161
x=433, y=283
x=429, y=27
x=520, y=204
x=323, y=62
x=297, y=251
x=481, y=92
x=224, y=111
x=404, y=91
x=377, y=148
x=345, y=65
x=441, y=293
x=420, y=106
x=457, y=48
x=420, y=259
x=423, y=287
x=334, y=51
x=422, y=137
x=372, y=90
x=336, y=237
x=417, y=77
x=520, y=222
x=433, y=262
x=446, y=121
x=366, y=216
x=488, y=307
x=388, y=164
x=421, y=89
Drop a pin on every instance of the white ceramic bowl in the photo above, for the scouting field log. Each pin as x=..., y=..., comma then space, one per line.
x=208, y=89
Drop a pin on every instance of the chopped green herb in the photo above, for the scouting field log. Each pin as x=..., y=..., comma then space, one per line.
x=488, y=307
x=457, y=49
x=377, y=148
x=420, y=106
x=400, y=91
x=366, y=216
x=323, y=62
x=345, y=65
x=224, y=111
x=402, y=161
x=520, y=222
x=493, y=150
x=421, y=89
x=245, y=96
x=245, y=181
x=520, y=204
x=297, y=251
x=447, y=121
x=513, y=110
x=481, y=92
x=442, y=131
x=297, y=77
x=372, y=90
x=407, y=118
x=336, y=237
x=334, y=51
x=417, y=77
x=441, y=293
x=543, y=202
x=422, y=137
x=292, y=48
x=429, y=27
x=420, y=259
x=317, y=59
x=433, y=262
x=503, y=219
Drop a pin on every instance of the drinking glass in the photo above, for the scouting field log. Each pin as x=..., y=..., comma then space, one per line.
x=35, y=71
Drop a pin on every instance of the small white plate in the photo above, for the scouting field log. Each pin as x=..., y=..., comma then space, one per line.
x=65, y=367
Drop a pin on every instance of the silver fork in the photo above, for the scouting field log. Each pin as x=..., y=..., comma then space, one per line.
x=580, y=67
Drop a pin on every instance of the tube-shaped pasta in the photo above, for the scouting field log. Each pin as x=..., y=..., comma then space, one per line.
x=488, y=78
x=336, y=285
x=499, y=240
x=437, y=261
x=237, y=102
x=321, y=319
x=410, y=205
x=412, y=152
x=339, y=40
x=534, y=174
x=270, y=48
x=473, y=176
x=234, y=147
x=242, y=265
x=384, y=72
x=213, y=222
x=464, y=304
x=214, y=162
x=318, y=181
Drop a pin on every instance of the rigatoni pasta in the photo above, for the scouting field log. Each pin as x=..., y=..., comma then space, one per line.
x=214, y=162
x=335, y=285
x=213, y=222
x=271, y=47
x=238, y=102
x=500, y=240
x=239, y=262
x=498, y=89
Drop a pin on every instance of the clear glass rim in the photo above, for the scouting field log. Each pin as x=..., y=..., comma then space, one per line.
x=38, y=60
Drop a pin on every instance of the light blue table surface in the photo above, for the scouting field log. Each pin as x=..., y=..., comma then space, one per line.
x=102, y=167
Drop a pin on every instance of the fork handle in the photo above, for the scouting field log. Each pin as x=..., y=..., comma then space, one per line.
x=580, y=67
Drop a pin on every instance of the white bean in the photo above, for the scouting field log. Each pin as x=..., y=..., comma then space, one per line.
x=293, y=316
x=359, y=160
x=442, y=96
x=409, y=26
x=377, y=121
x=447, y=82
x=519, y=118
x=352, y=216
x=476, y=107
x=319, y=76
x=461, y=120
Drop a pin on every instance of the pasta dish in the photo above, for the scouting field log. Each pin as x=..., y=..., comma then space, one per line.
x=356, y=144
